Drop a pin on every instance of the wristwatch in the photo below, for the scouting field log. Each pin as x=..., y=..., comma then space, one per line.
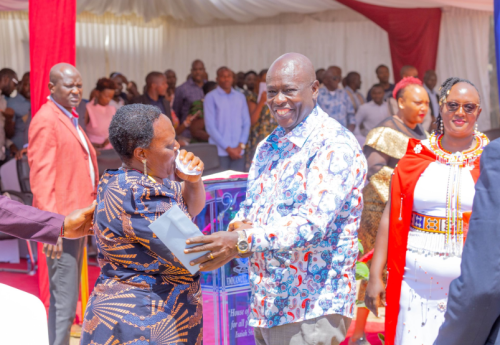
x=242, y=146
x=242, y=245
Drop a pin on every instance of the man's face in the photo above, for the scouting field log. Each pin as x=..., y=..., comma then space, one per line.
x=225, y=79
x=356, y=82
x=198, y=71
x=25, y=87
x=431, y=81
x=171, y=79
x=331, y=79
x=383, y=75
x=291, y=94
x=161, y=85
x=411, y=72
x=377, y=94
x=240, y=80
x=119, y=81
x=250, y=81
x=9, y=84
x=67, y=91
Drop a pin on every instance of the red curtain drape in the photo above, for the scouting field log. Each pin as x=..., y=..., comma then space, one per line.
x=413, y=33
x=52, y=25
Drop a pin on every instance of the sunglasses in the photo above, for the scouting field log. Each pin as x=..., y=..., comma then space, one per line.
x=469, y=108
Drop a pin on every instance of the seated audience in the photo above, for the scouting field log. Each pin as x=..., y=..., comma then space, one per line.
x=21, y=106
x=372, y=113
x=100, y=113
x=334, y=101
x=189, y=92
x=353, y=84
x=227, y=121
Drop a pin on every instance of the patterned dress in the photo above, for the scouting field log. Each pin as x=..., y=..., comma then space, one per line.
x=144, y=295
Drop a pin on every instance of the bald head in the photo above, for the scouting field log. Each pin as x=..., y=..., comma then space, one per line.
x=65, y=85
x=408, y=71
x=292, y=89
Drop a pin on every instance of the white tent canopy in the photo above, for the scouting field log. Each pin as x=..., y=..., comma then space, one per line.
x=116, y=35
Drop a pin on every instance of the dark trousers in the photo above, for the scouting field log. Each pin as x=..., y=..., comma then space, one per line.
x=64, y=278
x=227, y=163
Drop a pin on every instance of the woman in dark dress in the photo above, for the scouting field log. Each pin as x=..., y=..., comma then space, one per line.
x=144, y=295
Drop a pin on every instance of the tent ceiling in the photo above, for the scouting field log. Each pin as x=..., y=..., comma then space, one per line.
x=205, y=11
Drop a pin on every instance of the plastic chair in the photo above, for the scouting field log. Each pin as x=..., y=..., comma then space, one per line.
x=208, y=154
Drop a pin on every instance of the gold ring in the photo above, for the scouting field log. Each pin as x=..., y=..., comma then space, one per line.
x=211, y=256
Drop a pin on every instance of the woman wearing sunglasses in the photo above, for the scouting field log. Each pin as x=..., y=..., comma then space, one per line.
x=424, y=225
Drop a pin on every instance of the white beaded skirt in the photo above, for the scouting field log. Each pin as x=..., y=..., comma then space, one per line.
x=424, y=295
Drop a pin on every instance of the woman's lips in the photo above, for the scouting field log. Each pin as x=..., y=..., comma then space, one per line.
x=459, y=122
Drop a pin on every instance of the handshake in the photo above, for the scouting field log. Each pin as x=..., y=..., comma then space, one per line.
x=221, y=246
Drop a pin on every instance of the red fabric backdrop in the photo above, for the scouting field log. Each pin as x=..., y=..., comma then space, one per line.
x=413, y=33
x=52, y=25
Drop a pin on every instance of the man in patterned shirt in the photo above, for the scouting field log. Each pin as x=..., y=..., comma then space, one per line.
x=334, y=101
x=300, y=218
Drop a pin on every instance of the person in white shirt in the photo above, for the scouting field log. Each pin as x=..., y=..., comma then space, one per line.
x=430, y=81
x=370, y=114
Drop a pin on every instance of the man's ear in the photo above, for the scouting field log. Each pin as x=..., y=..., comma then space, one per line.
x=140, y=154
x=51, y=87
x=315, y=89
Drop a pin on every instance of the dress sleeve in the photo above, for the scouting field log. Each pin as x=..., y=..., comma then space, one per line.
x=150, y=201
x=332, y=183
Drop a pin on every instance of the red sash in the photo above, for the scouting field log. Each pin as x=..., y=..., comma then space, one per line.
x=404, y=180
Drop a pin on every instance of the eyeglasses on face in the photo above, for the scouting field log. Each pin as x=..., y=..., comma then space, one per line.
x=469, y=108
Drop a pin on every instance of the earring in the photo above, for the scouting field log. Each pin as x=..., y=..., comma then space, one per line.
x=441, y=126
x=475, y=128
x=145, y=167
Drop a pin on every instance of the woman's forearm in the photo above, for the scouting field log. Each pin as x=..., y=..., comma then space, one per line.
x=255, y=114
x=194, y=196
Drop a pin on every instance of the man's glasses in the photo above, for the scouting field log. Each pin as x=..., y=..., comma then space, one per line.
x=469, y=108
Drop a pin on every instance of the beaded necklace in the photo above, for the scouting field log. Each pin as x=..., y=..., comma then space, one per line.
x=456, y=161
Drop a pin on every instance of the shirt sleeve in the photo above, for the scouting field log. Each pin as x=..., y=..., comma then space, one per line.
x=351, y=119
x=360, y=116
x=176, y=107
x=210, y=121
x=245, y=128
x=334, y=182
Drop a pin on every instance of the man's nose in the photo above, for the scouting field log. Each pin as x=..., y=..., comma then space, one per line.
x=280, y=98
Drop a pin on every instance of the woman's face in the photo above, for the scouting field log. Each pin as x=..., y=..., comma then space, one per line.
x=163, y=149
x=414, y=105
x=105, y=96
x=461, y=110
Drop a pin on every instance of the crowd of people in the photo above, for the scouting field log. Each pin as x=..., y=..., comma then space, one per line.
x=397, y=167
x=236, y=133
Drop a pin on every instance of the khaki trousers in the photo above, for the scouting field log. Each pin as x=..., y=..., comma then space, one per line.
x=324, y=330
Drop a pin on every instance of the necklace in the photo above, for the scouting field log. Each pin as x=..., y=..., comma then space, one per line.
x=456, y=162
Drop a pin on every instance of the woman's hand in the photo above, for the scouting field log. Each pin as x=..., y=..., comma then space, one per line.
x=222, y=248
x=191, y=118
x=196, y=164
x=373, y=295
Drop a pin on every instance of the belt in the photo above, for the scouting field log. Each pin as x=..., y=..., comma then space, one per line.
x=435, y=225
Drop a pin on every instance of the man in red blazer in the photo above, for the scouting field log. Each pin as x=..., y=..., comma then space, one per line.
x=63, y=177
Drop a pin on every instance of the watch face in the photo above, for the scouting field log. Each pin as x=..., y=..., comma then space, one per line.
x=243, y=246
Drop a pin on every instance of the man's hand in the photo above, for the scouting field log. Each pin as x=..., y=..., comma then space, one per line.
x=373, y=294
x=239, y=225
x=21, y=153
x=53, y=251
x=234, y=152
x=78, y=223
x=196, y=164
x=13, y=150
x=222, y=248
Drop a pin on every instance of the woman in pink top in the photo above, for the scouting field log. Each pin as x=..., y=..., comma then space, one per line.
x=99, y=113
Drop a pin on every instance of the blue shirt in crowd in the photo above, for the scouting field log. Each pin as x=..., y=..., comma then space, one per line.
x=337, y=105
x=22, y=118
x=227, y=120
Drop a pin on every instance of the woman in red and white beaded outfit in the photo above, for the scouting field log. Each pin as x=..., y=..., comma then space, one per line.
x=424, y=225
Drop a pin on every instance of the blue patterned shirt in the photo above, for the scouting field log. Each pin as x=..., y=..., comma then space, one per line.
x=337, y=105
x=304, y=199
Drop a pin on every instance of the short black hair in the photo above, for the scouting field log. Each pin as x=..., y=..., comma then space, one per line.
x=262, y=72
x=250, y=72
x=350, y=76
x=150, y=78
x=105, y=83
x=222, y=69
x=379, y=67
x=132, y=127
x=7, y=72
x=377, y=85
